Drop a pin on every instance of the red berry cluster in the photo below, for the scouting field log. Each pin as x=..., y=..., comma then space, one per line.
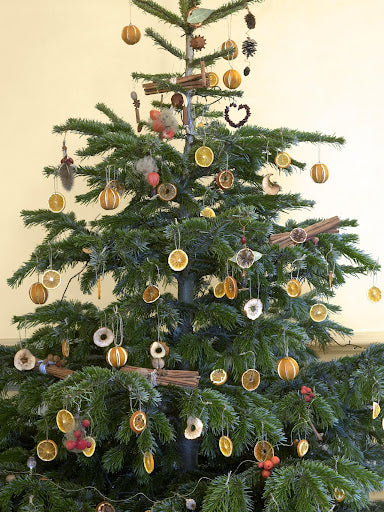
x=268, y=465
x=243, y=240
x=309, y=395
x=66, y=160
x=79, y=443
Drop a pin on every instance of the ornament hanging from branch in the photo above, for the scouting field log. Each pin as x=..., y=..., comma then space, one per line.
x=249, y=47
x=250, y=20
x=197, y=42
x=234, y=105
x=66, y=170
x=164, y=122
x=148, y=168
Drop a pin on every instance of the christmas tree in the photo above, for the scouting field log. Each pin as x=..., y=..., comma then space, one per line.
x=197, y=388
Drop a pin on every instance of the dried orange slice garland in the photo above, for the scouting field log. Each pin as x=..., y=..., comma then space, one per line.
x=230, y=287
x=263, y=451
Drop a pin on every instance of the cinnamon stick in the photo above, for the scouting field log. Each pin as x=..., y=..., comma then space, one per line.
x=325, y=226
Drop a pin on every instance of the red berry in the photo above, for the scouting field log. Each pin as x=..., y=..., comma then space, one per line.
x=304, y=390
x=307, y=398
x=70, y=160
x=89, y=444
x=168, y=133
x=70, y=445
x=275, y=460
x=268, y=465
x=265, y=473
x=85, y=423
x=243, y=240
x=260, y=465
x=81, y=444
x=77, y=434
x=154, y=114
x=312, y=395
x=153, y=178
x=309, y=390
x=62, y=160
x=158, y=126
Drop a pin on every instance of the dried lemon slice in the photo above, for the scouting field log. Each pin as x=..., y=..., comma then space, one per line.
x=219, y=290
x=178, y=260
x=302, y=447
x=65, y=421
x=151, y=294
x=339, y=494
x=167, y=191
x=51, y=279
x=225, y=179
x=293, y=288
x=374, y=294
x=88, y=452
x=245, y=258
x=207, y=212
x=250, y=379
x=148, y=461
x=226, y=446
x=204, y=156
x=218, y=377
x=375, y=410
x=282, y=160
x=56, y=202
x=138, y=421
x=263, y=451
x=47, y=450
x=230, y=287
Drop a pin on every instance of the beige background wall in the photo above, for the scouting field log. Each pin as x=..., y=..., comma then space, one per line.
x=318, y=68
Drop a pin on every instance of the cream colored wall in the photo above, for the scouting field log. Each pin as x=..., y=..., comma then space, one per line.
x=317, y=68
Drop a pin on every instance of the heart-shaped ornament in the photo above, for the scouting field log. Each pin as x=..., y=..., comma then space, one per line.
x=239, y=108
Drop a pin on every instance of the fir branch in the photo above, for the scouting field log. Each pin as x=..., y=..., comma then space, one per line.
x=160, y=12
x=163, y=43
x=227, y=9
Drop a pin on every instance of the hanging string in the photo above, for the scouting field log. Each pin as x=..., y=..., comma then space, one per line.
x=285, y=343
x=318, y=152
x=298, y=269
x=179, y=235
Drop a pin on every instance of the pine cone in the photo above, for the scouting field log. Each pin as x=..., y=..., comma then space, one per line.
x=249, y=47
x=250, y=20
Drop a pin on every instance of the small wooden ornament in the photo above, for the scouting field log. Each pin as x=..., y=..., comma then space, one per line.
x=38, y=293
x=319, y=173
x=287, y=368
x=109, y=199
x=117, y=356
x=131, y=34
x=232, y=49
x=232, y=79
x=177, y=100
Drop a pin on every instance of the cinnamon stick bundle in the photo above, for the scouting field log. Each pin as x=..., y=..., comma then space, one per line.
x=325, y=226
x=25, y=360
x=187, y=82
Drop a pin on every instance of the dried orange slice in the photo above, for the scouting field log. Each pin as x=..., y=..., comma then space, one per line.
x=318, y=312
x=204, y=156
x=302, y=447
x=65, y=421
x=225, y=179
x=218, y=377
x=339, y=494
x=47, y=450
x=88, y=452
x=374, y=294
x=51, y=279
x=148, y=461
x=56, y=202
x=293, y=288
x=213, y=79
x=230, y=287
x=219, y=291
x=167, y=191
x=151, y=294
x=65, y=348
x=250, y=379
x=298, y=235
x=207, y=212
x=178, y=260
x=375, y=410
x=282, y=160
x=226, y=446
x=245, y=258
x=138, y=421
x=263, y=451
